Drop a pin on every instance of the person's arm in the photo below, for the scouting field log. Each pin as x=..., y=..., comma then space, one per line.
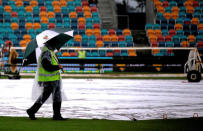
x=46, y=62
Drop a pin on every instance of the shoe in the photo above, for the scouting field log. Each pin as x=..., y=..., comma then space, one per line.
x=31, y=115
x=59, y=117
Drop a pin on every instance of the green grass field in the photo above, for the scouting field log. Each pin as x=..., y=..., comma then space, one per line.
x=46, y=124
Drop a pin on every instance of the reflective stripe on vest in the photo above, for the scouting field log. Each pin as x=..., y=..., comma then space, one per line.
x=45, y=75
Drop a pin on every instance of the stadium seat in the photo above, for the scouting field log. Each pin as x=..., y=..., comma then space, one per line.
x=87, y=14
x=73, y=15
x=124, y=52
x=14, y=26
x=44, y=20
x=28, y=8
x=57, y=9
x=150, y=32
x=132, y=52
x=33, y=3
x=99, y=38
x=51, y=25
x=28, y=26
x=99, y=44
x=19, y=3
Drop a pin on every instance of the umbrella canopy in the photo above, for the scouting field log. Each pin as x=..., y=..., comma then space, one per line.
x=56, y=37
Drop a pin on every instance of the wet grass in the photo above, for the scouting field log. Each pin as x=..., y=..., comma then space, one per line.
x=46, y=124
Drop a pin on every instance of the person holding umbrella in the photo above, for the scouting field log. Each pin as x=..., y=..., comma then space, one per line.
x=48, y=77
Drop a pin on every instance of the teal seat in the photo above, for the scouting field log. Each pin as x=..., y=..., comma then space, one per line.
x=89, y=26
x=85, y=38
x=95, y=15
x=28, y=14
x=179, y=21
x=21, y=15
x=48, y=3
x=179, y=32
x=71, y=8
x=102, y=53
x=94, y=53
x=88, y=20
x=172, y=3
x=29, y=19
x=164, y=32
x=182, y=9
x=70, y=3
x=96, y=20
x=59, y=25
x=122, y=44
x=1, y=9
x=44, y=26
x=92, y=43
x=182, y=15
x=92, y=38
x=67, y=25
x=66, y=20
x=70, y=43
x=128, y=38
x=14, y=8
x=169, y=44
x=14, y=20
x=156, y=26
x=21, y=9
x=104, y=32
x=124, y=52
x=148, y=26
x=31, y=31
x=168, y=9
x=38, y=31
x=52, y=20
x=64, y=9
x=50, y=8
x=7, y=15
x=78, y=3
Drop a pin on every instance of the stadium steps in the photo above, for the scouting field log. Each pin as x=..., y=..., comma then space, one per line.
x=107, y=14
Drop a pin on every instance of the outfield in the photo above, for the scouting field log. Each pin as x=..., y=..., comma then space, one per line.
x=46, y=124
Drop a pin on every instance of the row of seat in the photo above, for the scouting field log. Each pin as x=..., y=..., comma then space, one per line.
x=34, y=3
x=101, y=53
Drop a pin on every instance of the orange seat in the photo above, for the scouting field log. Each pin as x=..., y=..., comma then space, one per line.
x=33, y=3
x=97, y=32
x=175, y=9
x=86, y=8
x=19, y=3
x=152, y=38
x=187, y=3
x=174, y=15
x=51, y=14
x=81, y=20
x=99, y=44
x=23, y=43
x=73, y=15
x=191, y=38
x=195, y=21
x=55, y=3
x=178, y=27
x=7, y=8
x=87, y=14
x=63, y=3
x=28, y=26
x=190, y=9
x=78, y=38
x=44, y=20
x=27, y=37
x=185, y=43
x=200, y=27
x=114, y=38
x=65, y=54
x=36, y=26
x=150, y=32
x=107, y=38
x=155, y=51
x=57, y=9
x=158, y=32
x=161, y=9
x=126, y=32
x=132, y=52
x=167, y=16
x=157, y=3
x=28, y=8
x=43, y=14
x=14, y=26
x=89, y=32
